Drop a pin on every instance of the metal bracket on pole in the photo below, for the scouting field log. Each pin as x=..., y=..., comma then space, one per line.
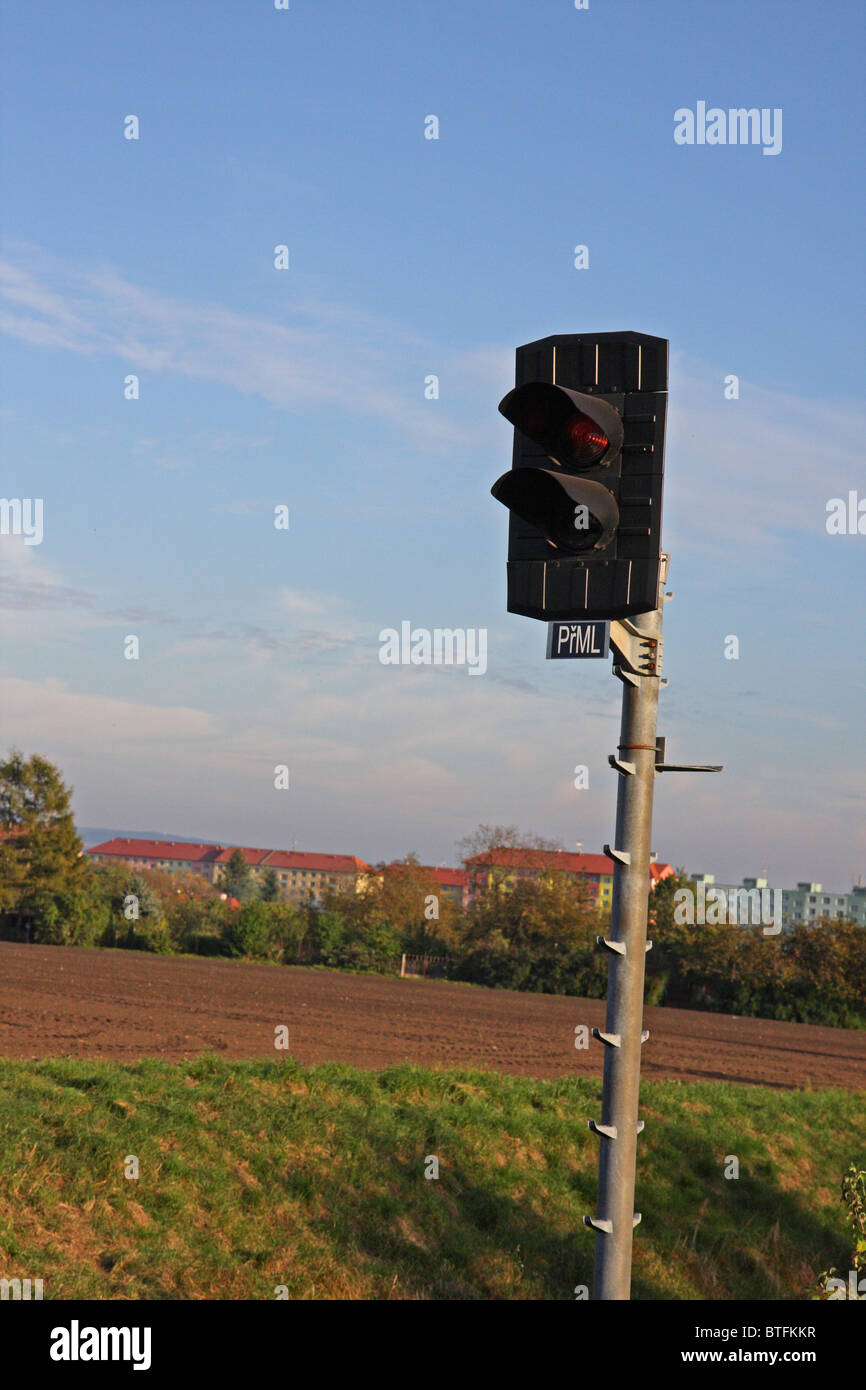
x=662, y=766
x=644, y=1035
x=621, y=854
x=611, y=1039
x=606, y=1227
x=609, y=1131
x=623, y=768
x=689, y=767
x=598, y=1224
x=617, y=946
x=637, y=651
x=628, y=676
x=641, y=1125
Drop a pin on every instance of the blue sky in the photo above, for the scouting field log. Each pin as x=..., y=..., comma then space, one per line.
x=306, y=387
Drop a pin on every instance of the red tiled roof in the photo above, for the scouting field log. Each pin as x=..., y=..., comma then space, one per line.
x=253, y=857
x=659, y=871
x=300, y=859
x=554, y=860
x=451, y=878
x=183, y=851
x=157, y=849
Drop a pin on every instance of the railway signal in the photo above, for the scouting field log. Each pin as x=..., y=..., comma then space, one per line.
x=584, y=546
x=585, y=486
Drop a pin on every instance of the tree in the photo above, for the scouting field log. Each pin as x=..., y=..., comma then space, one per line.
x=236, y=881
x=405, y=897
x=662, y=902
x=139, y=904
x=43, y=875
x=269, y=890
x=246, y=931
x=534, y=913
x=149, y=905
x=487, y=837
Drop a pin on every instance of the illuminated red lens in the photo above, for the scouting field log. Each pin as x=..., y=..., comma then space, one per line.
x=584, y=439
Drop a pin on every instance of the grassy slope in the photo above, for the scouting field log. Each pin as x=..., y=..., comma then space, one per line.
x=256, y=1174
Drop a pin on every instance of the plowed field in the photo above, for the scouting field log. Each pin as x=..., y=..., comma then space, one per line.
x=126, y=1005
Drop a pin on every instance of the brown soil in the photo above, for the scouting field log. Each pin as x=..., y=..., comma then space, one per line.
x=124, y=1005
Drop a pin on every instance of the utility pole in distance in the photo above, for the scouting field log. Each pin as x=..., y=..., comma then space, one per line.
x=585, y=495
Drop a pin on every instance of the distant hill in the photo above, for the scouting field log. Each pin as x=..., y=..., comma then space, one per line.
x=94, y=835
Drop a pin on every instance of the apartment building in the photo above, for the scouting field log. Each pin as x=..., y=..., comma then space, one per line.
x=592, y=874
x=300, y=875
x=808, y=902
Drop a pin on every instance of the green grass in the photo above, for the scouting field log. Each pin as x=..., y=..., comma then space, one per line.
x=257, y=1174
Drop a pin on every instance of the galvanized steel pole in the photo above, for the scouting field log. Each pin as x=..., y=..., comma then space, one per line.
x=638, y=645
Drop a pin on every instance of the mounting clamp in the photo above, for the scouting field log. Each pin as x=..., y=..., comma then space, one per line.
x=636, y=650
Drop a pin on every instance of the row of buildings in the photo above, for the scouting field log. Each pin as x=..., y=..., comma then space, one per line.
x=301, y=875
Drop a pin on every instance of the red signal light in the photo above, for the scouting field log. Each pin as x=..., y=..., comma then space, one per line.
x=586, y=442
x=573, y=429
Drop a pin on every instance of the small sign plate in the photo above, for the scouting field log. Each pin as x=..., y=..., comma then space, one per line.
x=583, y=639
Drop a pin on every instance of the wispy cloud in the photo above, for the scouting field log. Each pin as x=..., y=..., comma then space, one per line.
x=30, y=585
x=326, y=355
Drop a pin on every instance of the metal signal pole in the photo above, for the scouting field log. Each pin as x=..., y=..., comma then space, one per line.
x=641, y=754
x=638, y=646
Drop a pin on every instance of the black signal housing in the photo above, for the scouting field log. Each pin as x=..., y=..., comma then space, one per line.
x=585, y=487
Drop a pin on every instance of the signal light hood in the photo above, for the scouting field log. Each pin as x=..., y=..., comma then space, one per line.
x=574, y=514
x=576, y=430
